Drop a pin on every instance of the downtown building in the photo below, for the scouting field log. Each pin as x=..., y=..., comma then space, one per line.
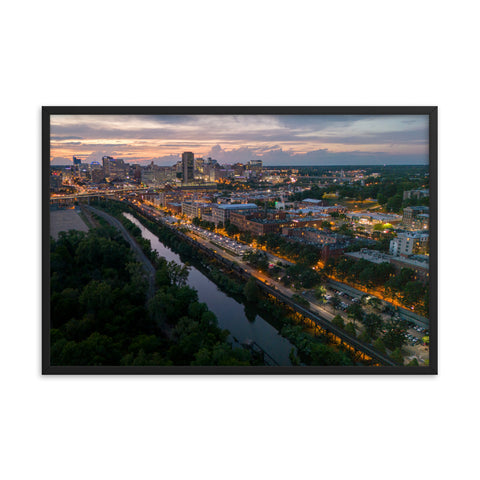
x=196, y=209
x=416, y=218
x=409, y=243
x=188, y=167
x=221, y=213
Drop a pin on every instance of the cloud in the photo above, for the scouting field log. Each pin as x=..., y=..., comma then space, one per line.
x=322, y=156
x=239, y=138
x=64, y=137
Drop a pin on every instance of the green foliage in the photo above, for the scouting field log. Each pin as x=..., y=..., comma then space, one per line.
x=293, y=357
x=314, y=350
x=335, y=301
x=394, y=203
x=251, y=290
x=373, y=323
x=388, y=189
x=300, y=300
x=365, y=337
x=203, y=224
x=400, y=286
x=302, y=276
x=395, y=334
x=301, y=253
x=362, y=271
x=351, y=329
x=319, y=293
x=355, y=312
x=397, y=356
x=257, y=259
x=338, y=321
x=99, y=315
x=379, y=344
x=326, y=225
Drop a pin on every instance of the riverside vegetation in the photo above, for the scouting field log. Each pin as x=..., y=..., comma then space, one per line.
x=311, y=350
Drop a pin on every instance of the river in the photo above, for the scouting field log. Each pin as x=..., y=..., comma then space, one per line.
x=230, y=313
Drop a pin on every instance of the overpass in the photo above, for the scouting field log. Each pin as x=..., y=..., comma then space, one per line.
x=71, y=198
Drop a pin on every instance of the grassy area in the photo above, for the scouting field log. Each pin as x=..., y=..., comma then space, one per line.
x=356, y=205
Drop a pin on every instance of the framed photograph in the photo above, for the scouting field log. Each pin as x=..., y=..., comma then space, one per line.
x=239, y=240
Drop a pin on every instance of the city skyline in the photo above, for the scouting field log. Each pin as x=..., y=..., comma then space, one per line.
x=275, y=139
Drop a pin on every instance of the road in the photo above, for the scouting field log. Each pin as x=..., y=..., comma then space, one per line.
x=315, y=307
x=319, y=314
x=142, y=258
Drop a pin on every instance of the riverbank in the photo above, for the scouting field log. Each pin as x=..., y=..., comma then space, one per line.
x=322, y=349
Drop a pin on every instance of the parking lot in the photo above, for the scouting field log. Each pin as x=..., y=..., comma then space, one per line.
x=220, y=240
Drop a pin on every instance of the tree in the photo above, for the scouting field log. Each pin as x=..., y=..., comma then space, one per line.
x=251, y=290
x=355, y=312
x=335, y=302
x=178, y=274
x=380, y=345
x=293, y=357
x=372, y=323
x=413, y=363
x=395, y=334
x=351, y=329
x=325, y=224
x=319, y=293
x=256, y=259
x=300, y=300
x=95, y=296
x=374, y=302
x=397, y=356
x=365, y=337
x=394, y=204
x=338, y=321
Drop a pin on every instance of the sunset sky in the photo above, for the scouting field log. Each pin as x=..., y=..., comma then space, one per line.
x=275, y=139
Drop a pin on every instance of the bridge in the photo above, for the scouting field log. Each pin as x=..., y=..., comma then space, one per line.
x=80, y=197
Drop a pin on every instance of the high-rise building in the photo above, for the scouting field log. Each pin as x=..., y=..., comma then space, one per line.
x=409, y=243
x=255, y=166
x=77, y=161
x=188, y=163
x=114, y=167
x=416, y=218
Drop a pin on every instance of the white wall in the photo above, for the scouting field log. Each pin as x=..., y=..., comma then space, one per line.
x=237, y=53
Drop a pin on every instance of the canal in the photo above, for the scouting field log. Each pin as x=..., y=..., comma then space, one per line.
x=230, y=313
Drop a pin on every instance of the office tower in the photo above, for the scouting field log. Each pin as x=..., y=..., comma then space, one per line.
x=188, y=163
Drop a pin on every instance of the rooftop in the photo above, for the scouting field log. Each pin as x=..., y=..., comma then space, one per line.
x=237, y=206
x=379, y=257
x=417, y=208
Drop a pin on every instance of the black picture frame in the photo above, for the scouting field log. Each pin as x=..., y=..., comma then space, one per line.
x=431, y=369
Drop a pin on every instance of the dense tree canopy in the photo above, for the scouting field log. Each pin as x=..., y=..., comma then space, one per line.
x=100, y=314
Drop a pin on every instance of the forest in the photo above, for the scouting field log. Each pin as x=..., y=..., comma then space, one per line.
x=100, y=314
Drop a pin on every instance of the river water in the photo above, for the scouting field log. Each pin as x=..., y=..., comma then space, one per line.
x=231, y=314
